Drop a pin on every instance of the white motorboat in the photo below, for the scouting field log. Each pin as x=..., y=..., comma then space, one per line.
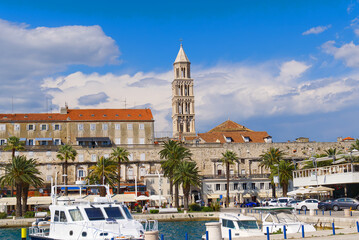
x=275, y=218
x=239, y=225
x=80, y=219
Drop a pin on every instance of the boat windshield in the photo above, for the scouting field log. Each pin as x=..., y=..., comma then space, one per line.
x=286, y=217
x=76, y=215
x=251, y=224
x=114, y=212
x=127, y=212
x=94, y=214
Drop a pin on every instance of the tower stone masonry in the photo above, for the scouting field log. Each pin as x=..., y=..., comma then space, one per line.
x=183, y=114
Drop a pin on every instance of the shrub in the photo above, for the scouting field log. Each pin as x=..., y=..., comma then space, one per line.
x=207, y=209
x=3, y=215
x=138, y=209
x=215, y=206
x=194, y=207
x=29, y=214
x=154, y=211
x=13, y=213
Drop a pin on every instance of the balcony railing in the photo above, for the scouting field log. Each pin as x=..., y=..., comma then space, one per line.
x=236, y=176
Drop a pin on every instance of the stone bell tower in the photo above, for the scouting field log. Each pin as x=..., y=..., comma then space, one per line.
x=183, y=117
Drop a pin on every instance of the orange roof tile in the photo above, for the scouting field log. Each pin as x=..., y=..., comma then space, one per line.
x=82, y=115
x=229, y=126
x=237, y=137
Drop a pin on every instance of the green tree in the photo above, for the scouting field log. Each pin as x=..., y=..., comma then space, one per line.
x=269, y=159
x=187, y=174
x=104, y=172
x=65, y=153
x=285, y=173
x=14, y=144
x=332, y=152
x=228, y=158
x=121, y=155
x=22, y=173
x=173, y=152
x=355, y=145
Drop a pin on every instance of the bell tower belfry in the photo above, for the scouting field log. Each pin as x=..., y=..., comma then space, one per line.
x=183, y=117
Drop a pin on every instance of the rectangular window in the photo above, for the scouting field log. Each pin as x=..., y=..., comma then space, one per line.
x=57, y=127
x=76, y=215
x=2, y=127
x=225, y=187
x=141, y=126
x=16, y=127
x=93, y=157
x=261, y=186
x=2, y=141
x=93, y=126
x=142, y=141
x=129, y=126
x=80, y=127
x=104, y=126
x=81, y=157
x=218, y=187
x=43, y=127
x=43, y=143
x=129, y=140
x=80, y=173
x=253, y=186
x=57, y=141
x=117, y=141
x=270, y=186
x=235, y=186
x=143, y=157
x=243, y=171
x=31, y=127
x=114, y=212
x=94, y=214
x=244, y=185
x=118, y=126
x=30, y=142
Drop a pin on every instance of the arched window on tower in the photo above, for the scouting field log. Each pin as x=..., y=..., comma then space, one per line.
x=179, y=108
x=188, y=73
x=177, y=72
x=183, y=72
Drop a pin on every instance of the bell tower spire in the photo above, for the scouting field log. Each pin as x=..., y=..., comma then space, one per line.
x=183, y=115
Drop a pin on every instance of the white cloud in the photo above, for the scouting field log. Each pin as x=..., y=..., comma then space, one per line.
x=349, y=52
x=27, y=55
x=317, y=30
x=237, y=91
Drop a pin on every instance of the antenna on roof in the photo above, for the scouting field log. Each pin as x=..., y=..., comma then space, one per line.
x=125, y=103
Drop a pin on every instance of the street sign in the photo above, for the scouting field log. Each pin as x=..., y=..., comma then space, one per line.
x=276, y=179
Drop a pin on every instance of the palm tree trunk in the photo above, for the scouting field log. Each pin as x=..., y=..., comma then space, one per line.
x=102, y=189
x=227, y=200
x=171, y=190
x=119, y=176
x=65, y=168
x=176, y=195
x=18, y=200
x=186, y=196
x=285, y=189
x=273, y=189
x=24, y=195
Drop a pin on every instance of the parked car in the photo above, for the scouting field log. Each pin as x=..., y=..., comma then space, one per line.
x=307, y=204
x=250, y=204
x=338, y=204
x=266, y=201
x=282, y=201
x=273, y=202
x=293, y=203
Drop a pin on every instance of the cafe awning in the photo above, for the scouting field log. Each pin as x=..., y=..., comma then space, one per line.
x=213, y=196
x=9, y=201
x=124, y=198
x=45, y=200
x=22, y=139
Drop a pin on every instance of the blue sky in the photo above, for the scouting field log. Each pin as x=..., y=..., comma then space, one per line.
x=286, y=67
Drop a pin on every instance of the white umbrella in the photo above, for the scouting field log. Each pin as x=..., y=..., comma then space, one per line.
x=142, y=198
x=157, y=198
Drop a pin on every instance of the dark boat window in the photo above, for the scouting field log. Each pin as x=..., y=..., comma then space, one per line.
x=57, y=216
x=94, y=214
x=63, y=217
x=127, y=212
x=114, y=212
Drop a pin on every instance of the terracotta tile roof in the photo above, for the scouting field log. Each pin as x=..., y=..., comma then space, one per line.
x=82, y=115
x=229, y=126
x=237, y=137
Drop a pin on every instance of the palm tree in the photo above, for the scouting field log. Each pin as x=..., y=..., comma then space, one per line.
x=121, y=155
x=269, y=159
x=103, y=172
x=332, y=152
x=13, y=144
x=65, y=153
x=228, y=158
x=23, y=173
x=355, y=145
x=173, y=152
x=186, y=173
x=285, y=173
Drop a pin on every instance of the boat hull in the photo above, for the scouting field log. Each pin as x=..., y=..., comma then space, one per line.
x=32, y=237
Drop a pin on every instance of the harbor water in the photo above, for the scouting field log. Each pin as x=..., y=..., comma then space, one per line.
x=170, y=230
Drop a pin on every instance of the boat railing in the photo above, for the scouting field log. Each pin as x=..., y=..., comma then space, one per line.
x=149, y=225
